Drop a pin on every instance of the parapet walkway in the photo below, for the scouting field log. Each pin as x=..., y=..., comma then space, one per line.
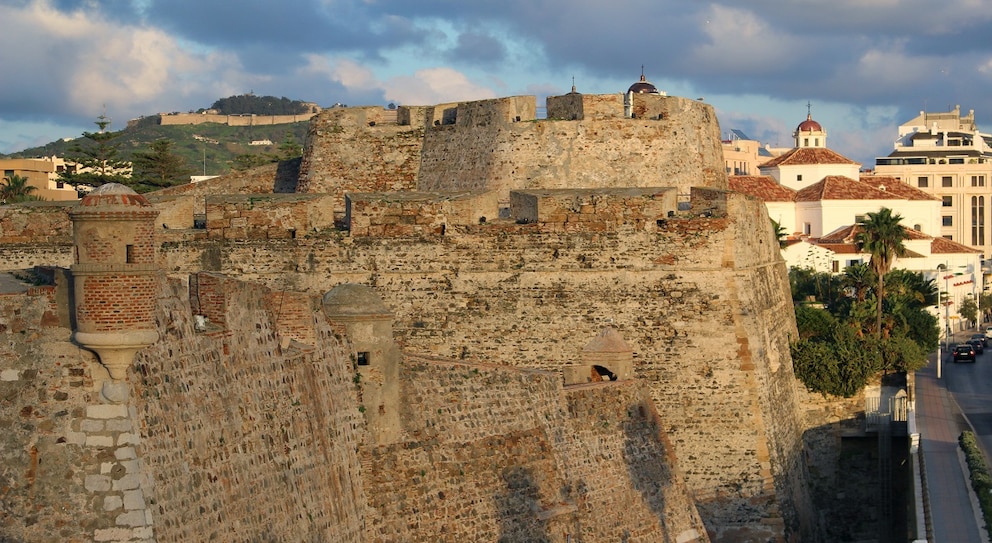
x=954, y=515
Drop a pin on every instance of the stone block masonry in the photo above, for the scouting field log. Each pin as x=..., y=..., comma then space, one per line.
x=701, y=297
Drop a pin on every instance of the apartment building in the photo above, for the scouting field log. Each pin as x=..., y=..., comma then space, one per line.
x=946, y=155
x=42, y=174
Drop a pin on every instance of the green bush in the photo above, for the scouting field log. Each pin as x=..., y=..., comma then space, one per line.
x=981, y=480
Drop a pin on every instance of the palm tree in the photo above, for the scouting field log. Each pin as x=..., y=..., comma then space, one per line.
x=882, y=236
x=859, y=278
x=16, y=189
x=780, y=234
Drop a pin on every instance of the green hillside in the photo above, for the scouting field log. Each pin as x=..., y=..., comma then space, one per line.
x=208, y=148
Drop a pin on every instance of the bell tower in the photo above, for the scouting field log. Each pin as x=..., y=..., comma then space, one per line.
x=114, y=275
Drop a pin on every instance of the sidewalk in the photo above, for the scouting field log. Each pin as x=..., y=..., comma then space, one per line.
x=953, y=514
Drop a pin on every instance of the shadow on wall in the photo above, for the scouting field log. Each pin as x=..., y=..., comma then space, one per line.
x=516, y=508
x=287, y=176
x=642, y=449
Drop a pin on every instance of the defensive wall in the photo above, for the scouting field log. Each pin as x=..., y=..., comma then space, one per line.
x=499, y=145
x=524, y=276
x=174, y=119
x=236, y=430
x=701, y=295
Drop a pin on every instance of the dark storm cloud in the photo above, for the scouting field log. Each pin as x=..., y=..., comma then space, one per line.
x=291, y=24
x=478, y=47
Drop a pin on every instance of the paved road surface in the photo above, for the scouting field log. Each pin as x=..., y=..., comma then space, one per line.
x=941, y=420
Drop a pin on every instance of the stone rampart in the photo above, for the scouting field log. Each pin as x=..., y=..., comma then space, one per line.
x=225, y=412
x=681, y=149
x=347, y=150
x=702, y=297
x=267, y=216
x=231, y=120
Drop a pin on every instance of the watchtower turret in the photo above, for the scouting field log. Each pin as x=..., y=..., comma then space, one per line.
x=368, y=324
x=114, y=275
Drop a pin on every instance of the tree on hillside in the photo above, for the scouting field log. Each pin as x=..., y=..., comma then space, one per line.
x=15, y=189
x=881, y=236
x=159, y=167
x=289, y=149
x=249, y=104
x=97, y=158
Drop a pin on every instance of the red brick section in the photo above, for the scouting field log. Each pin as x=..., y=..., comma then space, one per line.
x=115, y=302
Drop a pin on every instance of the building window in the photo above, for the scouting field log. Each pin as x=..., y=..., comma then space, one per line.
x=805, y=142
x=978, y=180
x=947, y=220
x=947, y=181
x=977, y=220
x=918, y=227
x=8, y=173
x=835, y=266
x=363, y=358
x=129, y=254
x=816, y=142
x=806, y=228
x=947, y=201
x=799, y=177
x=950, y=237
x=860, y=218
x=922, y=182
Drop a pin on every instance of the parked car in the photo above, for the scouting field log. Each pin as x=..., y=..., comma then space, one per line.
x=988, y=332
x=978, y=344
x=964, y=352
x=982, y=338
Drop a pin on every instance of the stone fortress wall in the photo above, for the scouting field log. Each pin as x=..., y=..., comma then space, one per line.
x=235, y=431
x=699, y=291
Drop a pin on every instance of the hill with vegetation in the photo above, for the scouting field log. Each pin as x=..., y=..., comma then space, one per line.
x=208, y=148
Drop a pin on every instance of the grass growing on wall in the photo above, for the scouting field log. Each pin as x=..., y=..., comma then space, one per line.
x=981, y=479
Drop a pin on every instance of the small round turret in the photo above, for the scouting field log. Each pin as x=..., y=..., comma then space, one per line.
x=115, y=275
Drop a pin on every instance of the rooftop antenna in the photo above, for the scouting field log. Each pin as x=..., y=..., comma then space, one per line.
x=573, y=84
x=809, y=110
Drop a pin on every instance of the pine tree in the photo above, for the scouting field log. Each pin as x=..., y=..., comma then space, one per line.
x=96, y=158
x=159, y=167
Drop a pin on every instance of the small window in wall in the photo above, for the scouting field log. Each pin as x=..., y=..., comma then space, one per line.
x=922, y=182
x=978, y=180
x=363, y=358
x=860, y=218
x=129, y=254
x=947, y=201
x=918, y=227
x=807, y=228
x=799, y=177
x=8, y=173
x=816, y=142
x=947, y=220
x=949, y=237
x=947, y=181
x=835, y=266
x=805, y=142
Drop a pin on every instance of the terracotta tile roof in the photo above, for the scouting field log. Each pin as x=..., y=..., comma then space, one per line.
x=763, y=187
x=895, y=186
x=944, y=246
x=839, y=187
x=808, y=155
x=842, y=240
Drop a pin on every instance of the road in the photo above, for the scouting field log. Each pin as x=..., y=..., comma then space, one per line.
x=960, y=400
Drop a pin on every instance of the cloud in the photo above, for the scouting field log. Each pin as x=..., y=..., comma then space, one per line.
x=434, y=86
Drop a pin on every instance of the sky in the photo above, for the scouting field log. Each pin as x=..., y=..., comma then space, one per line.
x=859, y=67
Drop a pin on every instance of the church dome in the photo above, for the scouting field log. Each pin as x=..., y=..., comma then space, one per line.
x=809, y=125
x=643, y=87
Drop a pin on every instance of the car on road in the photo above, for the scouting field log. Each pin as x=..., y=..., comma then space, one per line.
x=964, y=352
x=982, y=338
x=988, y=332
x=978, y=344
